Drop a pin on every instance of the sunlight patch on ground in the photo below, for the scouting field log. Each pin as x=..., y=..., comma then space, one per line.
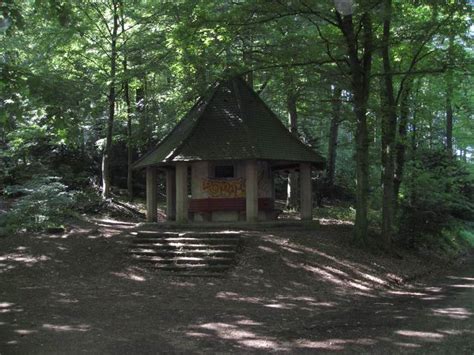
x=232, y=296
x=277, y=302
x=267, y=249
x=331, y=276
x=420, y=335
x=129, y=275
x=394, y=277
x=182, y=283
x=360, y=271
x=407, y=293
x=454, y=313
x=110, y=221
x=239, y=335
x=67, y=328
x=433, y=289
x=25, y=331
x=291, y=250
x=462, y=286
x=461, y=278
x=10, y=310
x=247, y=321
x=26, y=259
x=333, y=221
x=332, y=344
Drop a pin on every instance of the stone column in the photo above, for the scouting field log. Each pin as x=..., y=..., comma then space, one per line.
x=171, y=194
x=251, y=191
x=306, y=192
x=151, y=194
x=181, y=192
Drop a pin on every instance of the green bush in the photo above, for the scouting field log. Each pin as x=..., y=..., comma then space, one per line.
x=88, y=200
x=438, y=192
x=44, y=203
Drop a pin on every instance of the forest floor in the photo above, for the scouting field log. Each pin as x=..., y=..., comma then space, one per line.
x=293, y=290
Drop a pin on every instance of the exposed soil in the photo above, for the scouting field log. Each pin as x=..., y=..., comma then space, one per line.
x=292, y=290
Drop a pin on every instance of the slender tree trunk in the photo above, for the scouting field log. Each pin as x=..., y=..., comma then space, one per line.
x=430, y=130
x=389, y=126
x=292, y=186
x=414, y=130
x=401, y=143
x=449, y=95
x=360, y=70
x=126, y=92
x=333, y=135
x=106, y=174
x=247, y=44
x=129, y=144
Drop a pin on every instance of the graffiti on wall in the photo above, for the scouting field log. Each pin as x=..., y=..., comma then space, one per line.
x=224, y=187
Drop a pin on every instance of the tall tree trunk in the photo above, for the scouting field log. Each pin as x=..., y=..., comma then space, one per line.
x=126, y=92
x=414, y=130
x=106, y=174
x=292, y=186
x=360, y=70
x=401, y=142
x=389, y=126
x=144, y=128
x=449, y=96
x=333, y=135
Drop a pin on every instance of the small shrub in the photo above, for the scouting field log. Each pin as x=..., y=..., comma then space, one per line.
x=343, y=213
x=88, y=200
x=44, y=204
x=438, y=194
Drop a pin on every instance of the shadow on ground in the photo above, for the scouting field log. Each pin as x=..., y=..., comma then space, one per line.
x=292, y=290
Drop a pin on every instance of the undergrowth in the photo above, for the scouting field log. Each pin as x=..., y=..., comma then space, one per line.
x=44, y=203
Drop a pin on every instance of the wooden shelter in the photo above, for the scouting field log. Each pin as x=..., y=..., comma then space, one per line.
x=221, y=157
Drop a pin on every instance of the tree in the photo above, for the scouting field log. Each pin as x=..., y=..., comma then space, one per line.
x=336, y=119
x=360, y=72
x=106, y=178
x=389, y=126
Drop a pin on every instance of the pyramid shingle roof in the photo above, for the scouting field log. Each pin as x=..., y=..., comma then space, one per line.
x=230, y=123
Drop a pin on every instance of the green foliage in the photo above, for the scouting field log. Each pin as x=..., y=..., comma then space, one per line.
x=55, y=71
x=44, y=203
x=87, y=200
x=342, y=213
x=438, y=191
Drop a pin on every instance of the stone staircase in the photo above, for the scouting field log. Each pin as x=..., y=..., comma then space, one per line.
x=188, y=253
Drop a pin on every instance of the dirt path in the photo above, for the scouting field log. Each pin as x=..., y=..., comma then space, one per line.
x=435, y=317
x=293, y=291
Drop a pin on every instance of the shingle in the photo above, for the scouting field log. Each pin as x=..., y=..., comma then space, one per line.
x=231, y=123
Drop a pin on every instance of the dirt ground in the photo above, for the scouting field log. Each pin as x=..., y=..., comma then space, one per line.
x=293, y=290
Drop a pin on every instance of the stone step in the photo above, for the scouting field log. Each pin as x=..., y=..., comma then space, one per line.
x=179, y=260
x=154, y=234
x=191, y=268
x=186, y=252
x=181, y=246
x=186, y=240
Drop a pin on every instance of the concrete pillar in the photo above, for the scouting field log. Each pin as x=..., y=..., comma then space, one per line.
x=171, y=194
x=151, y=194
x=181, y=192
x=251, y=191
x=306, y=192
